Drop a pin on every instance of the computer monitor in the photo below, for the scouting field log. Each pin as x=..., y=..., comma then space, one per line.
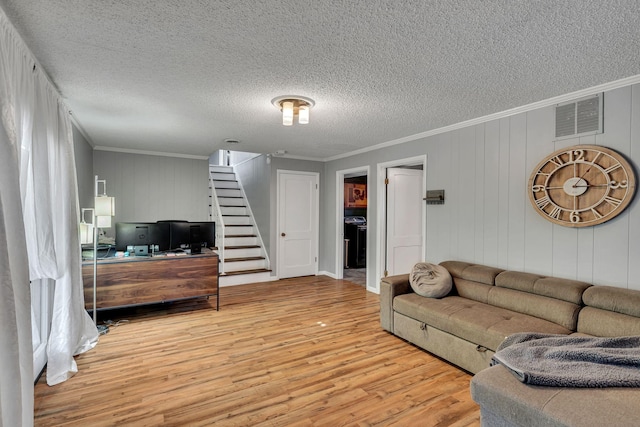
x=142, y=234
x=160, y=235
x=131, y=234
x=186, y=234
x=203, y=233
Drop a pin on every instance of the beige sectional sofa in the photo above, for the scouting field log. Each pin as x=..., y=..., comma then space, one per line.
x=485, y=306
x=488, y=304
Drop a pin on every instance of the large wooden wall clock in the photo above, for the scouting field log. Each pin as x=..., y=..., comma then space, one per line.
x=581, y=186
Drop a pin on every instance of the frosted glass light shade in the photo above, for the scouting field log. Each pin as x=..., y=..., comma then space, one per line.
x=86, y=233
x=303, y=114
x=103, y=221
x=287, y=113
x=105, y=206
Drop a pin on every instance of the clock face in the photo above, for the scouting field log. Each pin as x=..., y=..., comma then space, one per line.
x=581, y=186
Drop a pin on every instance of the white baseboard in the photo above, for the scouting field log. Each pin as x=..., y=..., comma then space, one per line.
x=326, y=273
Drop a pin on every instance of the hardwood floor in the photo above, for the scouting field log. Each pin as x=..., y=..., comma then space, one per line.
x=298, y=352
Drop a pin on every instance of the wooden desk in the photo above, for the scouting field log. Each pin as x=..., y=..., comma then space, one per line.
x=125, y=282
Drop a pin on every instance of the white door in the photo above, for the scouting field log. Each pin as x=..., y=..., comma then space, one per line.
x=404, y=219
x=297, y=224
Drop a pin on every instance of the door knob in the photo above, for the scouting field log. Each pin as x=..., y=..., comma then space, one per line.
x=283, y=234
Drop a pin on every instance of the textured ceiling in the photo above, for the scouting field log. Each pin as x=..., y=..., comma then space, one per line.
x=182, y=76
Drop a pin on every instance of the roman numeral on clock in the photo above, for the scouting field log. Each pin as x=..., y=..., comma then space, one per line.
x=612, y=168
x=613, y=201
x=542, y=202
x=555, y=212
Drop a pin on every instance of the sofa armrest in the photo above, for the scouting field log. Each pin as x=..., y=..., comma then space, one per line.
x=505, y=401
x=390, y=287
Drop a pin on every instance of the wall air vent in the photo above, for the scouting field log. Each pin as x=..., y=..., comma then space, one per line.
x=580, y=117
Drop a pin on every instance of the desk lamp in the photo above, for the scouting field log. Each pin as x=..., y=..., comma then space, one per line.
x=104, y=209
x=86, y=229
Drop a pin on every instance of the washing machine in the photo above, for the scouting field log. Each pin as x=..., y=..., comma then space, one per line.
x=355, y=231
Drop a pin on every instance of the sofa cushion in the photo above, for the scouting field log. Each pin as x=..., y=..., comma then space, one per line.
x=473, y=321
x=471, y=281
x=562, y=289
x=430, y=280
x=473, y=272
x=472, y=290
x=619, y=300
x=610, y=312
x=554, y=310
x=455, y=267
x=604, y=323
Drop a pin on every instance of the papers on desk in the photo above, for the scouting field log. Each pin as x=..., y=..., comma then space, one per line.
x=176, y=253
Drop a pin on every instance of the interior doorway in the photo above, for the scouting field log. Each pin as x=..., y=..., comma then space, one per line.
x=401, y=243
x=298, y=223
x=351, y=223
x=404, y=226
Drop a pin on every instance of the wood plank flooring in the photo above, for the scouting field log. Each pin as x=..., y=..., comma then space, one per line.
x=297, y=352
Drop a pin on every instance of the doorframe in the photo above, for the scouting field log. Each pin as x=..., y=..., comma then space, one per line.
x=381, y=223
x=340, y=175
x=279, y=173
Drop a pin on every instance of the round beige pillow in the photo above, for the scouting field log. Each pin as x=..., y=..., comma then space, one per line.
x=430, y=280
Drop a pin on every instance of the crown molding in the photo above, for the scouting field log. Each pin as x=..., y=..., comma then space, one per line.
x=507, y=113
x=80, y=129
x=149, y=153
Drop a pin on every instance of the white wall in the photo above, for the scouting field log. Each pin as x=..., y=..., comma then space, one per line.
x=255, y=176
x=149, y=188
x=238, y=157
x=259, y=181
x=487, y=217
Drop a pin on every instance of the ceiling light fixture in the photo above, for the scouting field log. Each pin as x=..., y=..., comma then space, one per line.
x=292, y=106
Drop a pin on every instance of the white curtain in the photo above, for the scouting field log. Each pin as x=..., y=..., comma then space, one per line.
x=39, y=130
x=16, y=351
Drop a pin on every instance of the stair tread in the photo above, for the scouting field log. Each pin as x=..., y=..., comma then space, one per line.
x=243, y=215
x=230, y=197
x=251, y=258
x=242, y=247
x=238, y=225
x=232, y=206
x=233, y=236
x=236, y=273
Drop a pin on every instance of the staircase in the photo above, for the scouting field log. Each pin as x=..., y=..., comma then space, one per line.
x=243, y=258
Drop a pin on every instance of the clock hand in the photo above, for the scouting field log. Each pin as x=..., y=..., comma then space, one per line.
x=582, y=176
x=589, y=185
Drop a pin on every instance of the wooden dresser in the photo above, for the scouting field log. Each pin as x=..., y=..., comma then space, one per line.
x=131, y=281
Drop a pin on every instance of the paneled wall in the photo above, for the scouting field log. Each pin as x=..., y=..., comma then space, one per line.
x=259, y=180
x=254, y=174
x=152, y=188
x=487, y=217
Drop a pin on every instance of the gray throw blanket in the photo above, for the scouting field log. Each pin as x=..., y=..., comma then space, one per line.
x=571, y=361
